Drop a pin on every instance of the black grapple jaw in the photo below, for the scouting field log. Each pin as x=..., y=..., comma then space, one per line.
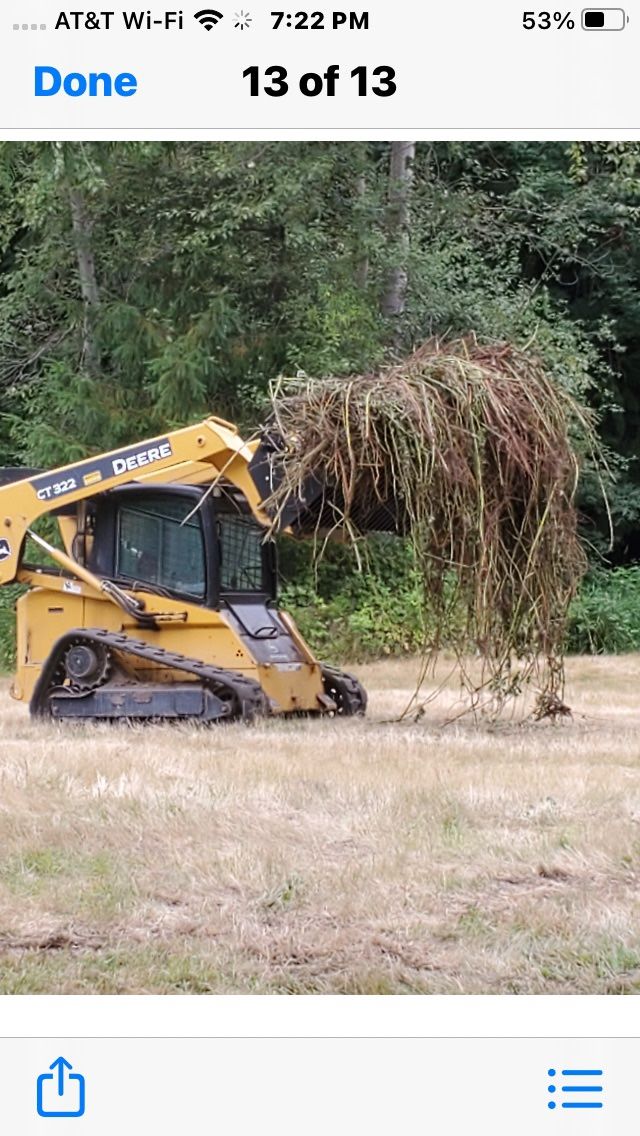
x=319, y=507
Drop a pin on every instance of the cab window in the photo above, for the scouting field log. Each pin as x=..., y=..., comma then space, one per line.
x=240, y=544
x=157, y=545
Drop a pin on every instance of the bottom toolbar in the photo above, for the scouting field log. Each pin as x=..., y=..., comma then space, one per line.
x=342, y=1086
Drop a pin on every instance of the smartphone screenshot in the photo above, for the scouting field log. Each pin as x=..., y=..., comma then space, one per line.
x=319, y=569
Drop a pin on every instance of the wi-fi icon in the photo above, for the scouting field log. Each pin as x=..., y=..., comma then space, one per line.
x=208, y=17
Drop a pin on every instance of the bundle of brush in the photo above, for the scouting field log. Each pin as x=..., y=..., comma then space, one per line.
x=475, y=452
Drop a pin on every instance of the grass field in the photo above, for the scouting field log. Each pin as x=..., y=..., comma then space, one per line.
x=315, y=857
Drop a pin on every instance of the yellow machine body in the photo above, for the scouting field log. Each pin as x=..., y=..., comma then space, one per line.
x=135, y=631
x=44, y=614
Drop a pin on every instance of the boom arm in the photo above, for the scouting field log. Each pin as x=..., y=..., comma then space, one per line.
x=210, y=449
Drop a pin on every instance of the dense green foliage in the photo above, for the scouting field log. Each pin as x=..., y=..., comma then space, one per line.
x=144, y=284
x=8, y=597
x=605, y=617
x=350, y=614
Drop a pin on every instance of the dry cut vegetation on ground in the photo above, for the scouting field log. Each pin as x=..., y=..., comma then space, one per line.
x=317, y=857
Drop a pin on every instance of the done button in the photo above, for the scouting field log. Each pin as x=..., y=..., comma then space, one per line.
x=50, y=81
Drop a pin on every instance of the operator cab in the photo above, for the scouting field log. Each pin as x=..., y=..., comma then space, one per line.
x=198, y=548
x=183, y=542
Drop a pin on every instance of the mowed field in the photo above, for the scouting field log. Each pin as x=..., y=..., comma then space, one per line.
x=357, y=857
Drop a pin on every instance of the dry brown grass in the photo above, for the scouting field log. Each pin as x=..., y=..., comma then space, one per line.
x=313, y=857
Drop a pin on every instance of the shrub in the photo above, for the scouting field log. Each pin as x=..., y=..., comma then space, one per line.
x=605, y=616
x=343, y=613
x=8, y=597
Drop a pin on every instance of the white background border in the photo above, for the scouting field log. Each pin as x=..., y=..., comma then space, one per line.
x=318, y=1016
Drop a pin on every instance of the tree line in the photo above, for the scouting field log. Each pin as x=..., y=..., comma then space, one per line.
x=143, y=284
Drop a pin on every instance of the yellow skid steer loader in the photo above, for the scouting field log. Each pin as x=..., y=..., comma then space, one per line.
x=163, y=604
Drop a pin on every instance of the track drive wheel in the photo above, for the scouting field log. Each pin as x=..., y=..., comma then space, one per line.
x=87, y=665
x=344, y=689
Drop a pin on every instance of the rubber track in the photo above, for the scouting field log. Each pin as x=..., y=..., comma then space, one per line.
x=249, y=699
x=352, y=691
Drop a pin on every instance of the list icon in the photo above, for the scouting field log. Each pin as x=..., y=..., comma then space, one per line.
x=574, y=1088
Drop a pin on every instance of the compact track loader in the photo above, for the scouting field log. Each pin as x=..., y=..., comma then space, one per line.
x=162, y=601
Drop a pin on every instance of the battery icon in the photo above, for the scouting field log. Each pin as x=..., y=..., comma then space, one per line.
x=604, y=19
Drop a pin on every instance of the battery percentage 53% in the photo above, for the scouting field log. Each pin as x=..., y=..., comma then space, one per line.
x=545, y=20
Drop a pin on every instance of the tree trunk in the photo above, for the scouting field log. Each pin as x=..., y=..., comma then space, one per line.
x=400, y=182
x=362, y=265
x=82, y=231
